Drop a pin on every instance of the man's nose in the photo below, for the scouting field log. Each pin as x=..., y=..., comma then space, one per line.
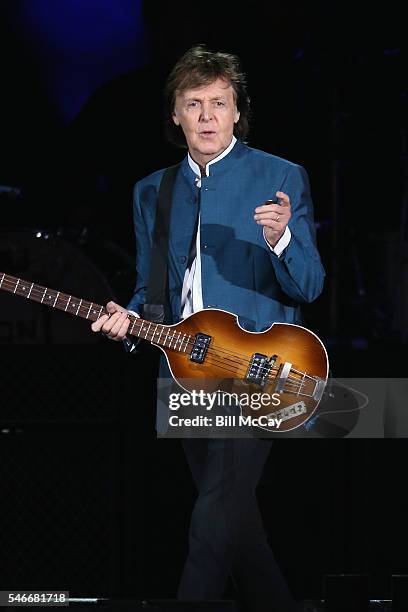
x=206, y=112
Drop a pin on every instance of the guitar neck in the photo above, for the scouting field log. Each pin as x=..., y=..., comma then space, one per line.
x=162, y=335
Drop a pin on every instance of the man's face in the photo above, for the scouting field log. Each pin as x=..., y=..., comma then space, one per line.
x=207, y=116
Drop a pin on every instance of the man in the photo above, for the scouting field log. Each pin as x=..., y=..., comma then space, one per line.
x=230, y=247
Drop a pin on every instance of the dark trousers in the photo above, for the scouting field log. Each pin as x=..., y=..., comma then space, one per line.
x=226, y=536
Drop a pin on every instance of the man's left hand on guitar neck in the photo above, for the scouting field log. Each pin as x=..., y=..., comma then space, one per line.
x=115, y=324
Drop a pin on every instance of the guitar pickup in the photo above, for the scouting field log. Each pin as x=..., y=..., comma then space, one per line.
x=200, y=348
x=259, y=368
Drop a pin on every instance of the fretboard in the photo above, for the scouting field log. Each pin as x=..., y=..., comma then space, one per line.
x=162, y=335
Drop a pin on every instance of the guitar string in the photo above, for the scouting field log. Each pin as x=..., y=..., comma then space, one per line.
x=37, y=290
x=216, y=350
x=264, y=368
x=85, y=308
x=295, y=381
x=246, y=362
x=211, y=360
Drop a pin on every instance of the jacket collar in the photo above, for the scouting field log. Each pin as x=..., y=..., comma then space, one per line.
x=224, y=164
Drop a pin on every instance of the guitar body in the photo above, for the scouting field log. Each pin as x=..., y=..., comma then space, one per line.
x=230, y=352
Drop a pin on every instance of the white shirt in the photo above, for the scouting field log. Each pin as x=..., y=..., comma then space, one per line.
x=191, y=294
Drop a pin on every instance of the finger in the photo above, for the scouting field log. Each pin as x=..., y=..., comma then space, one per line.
x=276, y=225
x=276, y=208
x=272, y=219
x=279, y=215
x=117, y=324
x=97, y=325
x=283, y=197
x=123, y=330
x=109, y=324
x=112, y=307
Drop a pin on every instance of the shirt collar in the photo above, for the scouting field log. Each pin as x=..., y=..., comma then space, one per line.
x=196, y=168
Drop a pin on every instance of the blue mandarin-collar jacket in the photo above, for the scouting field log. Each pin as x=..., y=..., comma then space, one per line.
x=240, y=273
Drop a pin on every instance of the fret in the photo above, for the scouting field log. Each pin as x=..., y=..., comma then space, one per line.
x=2, y=279
x=150, y=324
x=89, y=309
x=100, y=312
x=69, y=299
x=31, y=288
x=143, y=327
x=161, y=331
x=15, y=288
x=78, y=307
x=56, y=300
x=164, y=341
x=181, y=344
x=45, y=291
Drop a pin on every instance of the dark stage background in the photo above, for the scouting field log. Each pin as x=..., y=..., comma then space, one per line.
x=91, y=502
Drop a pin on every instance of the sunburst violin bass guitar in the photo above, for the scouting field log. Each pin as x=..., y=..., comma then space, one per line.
x=286, y=366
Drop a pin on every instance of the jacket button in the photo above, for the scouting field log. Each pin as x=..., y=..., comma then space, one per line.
x=205, y=246
x=182, y=259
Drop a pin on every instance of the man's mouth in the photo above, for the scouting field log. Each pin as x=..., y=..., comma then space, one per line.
x=207, y=133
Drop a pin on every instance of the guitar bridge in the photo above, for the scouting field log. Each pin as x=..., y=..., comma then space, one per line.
x=200, y=348
x=259, y=368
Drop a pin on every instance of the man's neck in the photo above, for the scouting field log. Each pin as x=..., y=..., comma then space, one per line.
x=203, y=162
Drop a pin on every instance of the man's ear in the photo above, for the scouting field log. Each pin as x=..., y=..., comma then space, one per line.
x=175, y=118
x=237, y=116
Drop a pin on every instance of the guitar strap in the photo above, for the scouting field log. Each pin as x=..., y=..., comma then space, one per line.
x=156, y=292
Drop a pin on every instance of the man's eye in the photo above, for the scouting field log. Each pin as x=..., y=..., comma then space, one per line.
x=219, y=103
x=192, y=104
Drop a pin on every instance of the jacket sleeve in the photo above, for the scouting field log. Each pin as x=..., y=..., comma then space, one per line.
x=143, y=239
x=299, y=269
x=143, y=227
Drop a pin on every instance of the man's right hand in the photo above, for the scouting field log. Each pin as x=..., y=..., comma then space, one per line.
x=115, y=325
